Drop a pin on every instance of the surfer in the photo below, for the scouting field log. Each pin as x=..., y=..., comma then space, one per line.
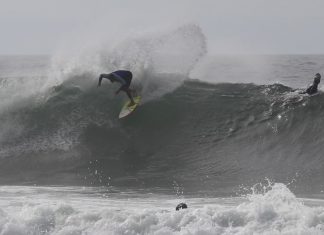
x=181, y=206
x=124, y=77
x=313, y=88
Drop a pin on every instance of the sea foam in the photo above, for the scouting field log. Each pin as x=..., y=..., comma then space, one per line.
x=276, y=211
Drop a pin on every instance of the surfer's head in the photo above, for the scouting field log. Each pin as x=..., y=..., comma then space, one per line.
x=181, y=206
x=317, y=78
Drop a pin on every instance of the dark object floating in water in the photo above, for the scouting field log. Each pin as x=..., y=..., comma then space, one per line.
x=181, y=206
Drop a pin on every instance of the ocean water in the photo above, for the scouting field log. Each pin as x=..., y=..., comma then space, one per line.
x=228, y=135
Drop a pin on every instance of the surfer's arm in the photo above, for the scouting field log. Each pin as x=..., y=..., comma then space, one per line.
x=311, y=90
x=100, y=79
x=307, y=91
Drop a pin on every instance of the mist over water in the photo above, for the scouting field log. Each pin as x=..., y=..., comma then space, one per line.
x=172, y=55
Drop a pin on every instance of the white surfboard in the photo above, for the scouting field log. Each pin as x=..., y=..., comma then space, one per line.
x=126, y=110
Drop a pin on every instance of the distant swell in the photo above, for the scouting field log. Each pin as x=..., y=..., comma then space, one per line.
x=199, y=136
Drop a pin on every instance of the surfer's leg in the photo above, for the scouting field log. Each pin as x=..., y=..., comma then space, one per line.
x=134, y=92
x=128, y=80
x=129, y=94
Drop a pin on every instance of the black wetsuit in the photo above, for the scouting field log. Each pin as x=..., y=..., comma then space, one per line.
x=123, y=77
x=312, y=89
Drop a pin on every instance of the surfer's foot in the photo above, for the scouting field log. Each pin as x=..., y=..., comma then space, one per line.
x=131, y=104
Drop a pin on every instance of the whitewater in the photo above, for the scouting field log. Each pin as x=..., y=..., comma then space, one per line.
x=227, y=135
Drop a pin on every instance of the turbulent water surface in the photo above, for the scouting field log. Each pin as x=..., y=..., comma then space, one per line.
x=228, y=135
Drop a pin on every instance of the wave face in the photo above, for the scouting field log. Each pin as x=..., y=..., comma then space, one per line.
x=57, y=127
x=200, y=136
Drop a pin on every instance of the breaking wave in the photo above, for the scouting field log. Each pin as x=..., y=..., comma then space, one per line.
x=62, y=129
x=199, y=135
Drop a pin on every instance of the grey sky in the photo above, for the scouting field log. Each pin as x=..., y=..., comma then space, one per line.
x=230, y=26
